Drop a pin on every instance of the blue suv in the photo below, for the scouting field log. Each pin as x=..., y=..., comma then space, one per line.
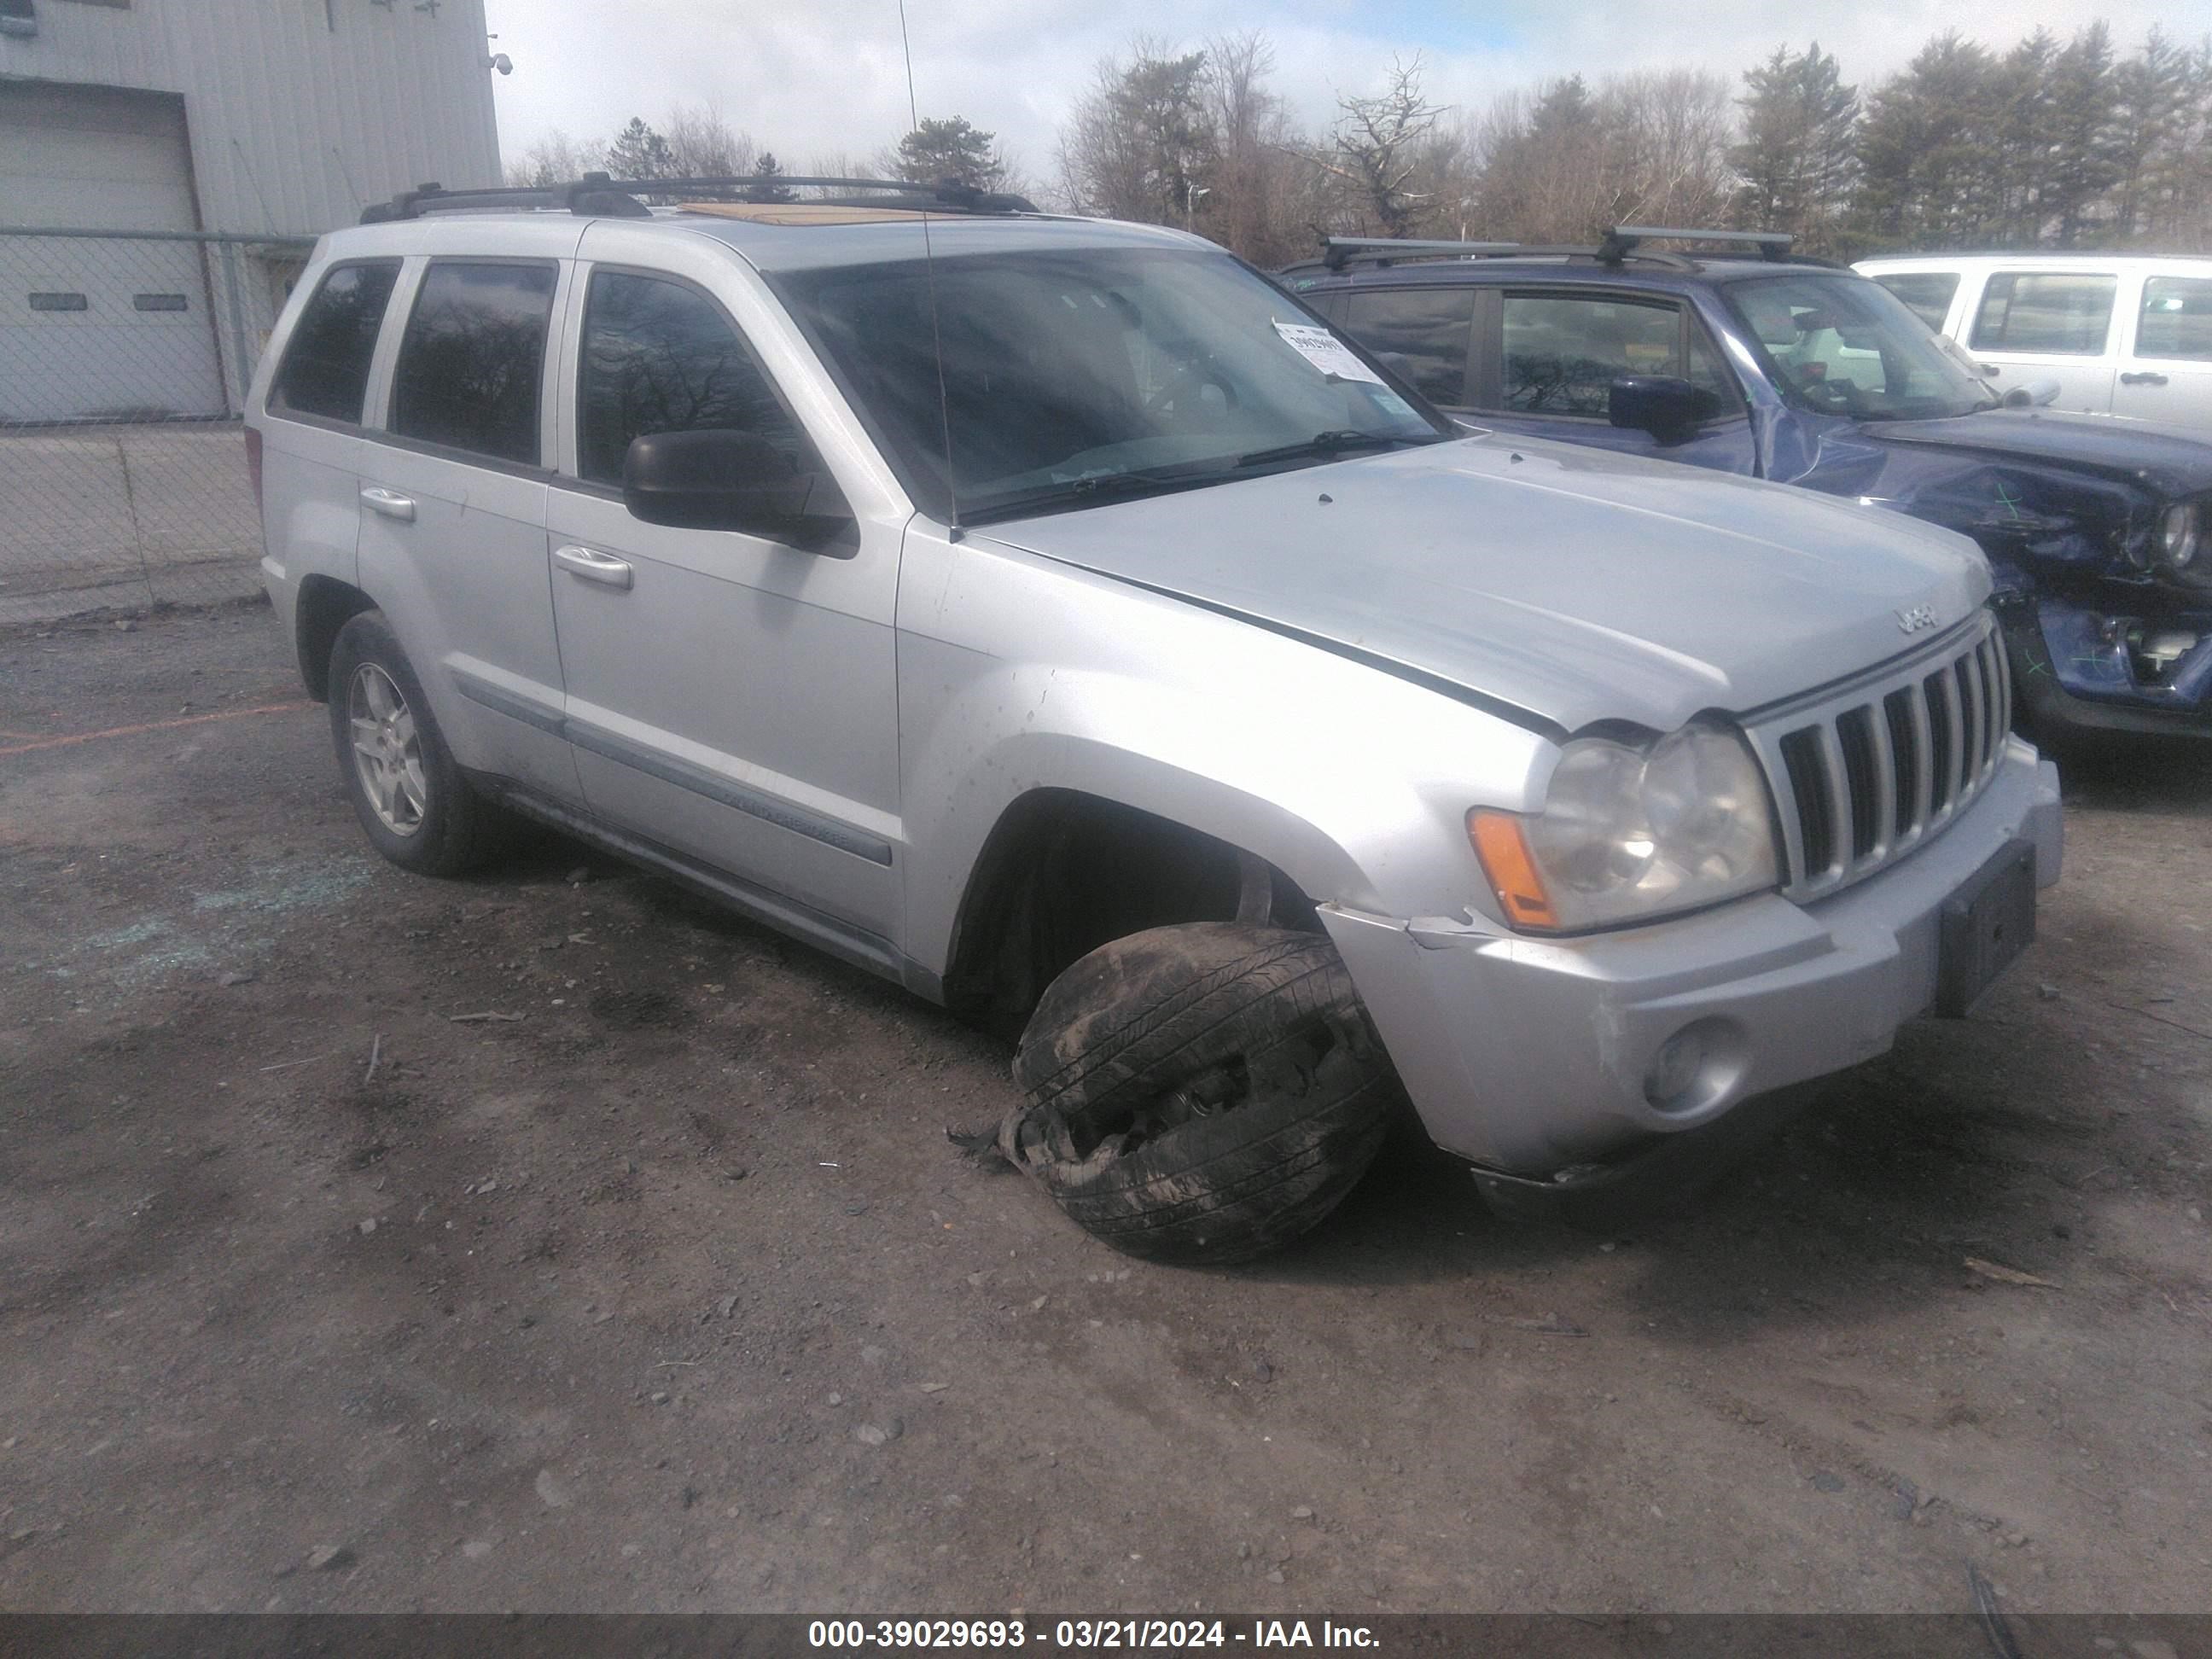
x=1755, y=363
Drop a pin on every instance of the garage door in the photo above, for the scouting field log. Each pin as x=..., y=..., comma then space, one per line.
x=100, y=327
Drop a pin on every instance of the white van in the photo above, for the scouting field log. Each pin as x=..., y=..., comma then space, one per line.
x=2121, y=334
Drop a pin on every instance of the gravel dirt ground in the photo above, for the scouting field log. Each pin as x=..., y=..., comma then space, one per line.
x=662, y=1290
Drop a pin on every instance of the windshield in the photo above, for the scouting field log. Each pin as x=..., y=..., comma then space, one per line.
x=1078, y=377
x=1844, y=345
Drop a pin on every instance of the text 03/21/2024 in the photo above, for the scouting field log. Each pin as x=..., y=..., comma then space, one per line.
x=896, y=1635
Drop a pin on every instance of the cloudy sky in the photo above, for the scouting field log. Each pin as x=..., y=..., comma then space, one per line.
x=810, y=77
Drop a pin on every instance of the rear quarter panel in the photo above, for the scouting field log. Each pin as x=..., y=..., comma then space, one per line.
x=310, y=507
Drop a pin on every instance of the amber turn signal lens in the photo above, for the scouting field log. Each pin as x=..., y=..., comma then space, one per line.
x=1504, y=850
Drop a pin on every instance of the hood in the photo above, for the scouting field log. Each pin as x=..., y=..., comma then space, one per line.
x=1573, y=585
x=2172, y=460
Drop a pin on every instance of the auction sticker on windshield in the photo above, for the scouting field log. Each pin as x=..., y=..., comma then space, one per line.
x=1326, y=352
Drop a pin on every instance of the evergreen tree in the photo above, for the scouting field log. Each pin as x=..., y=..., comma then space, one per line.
x=1140, y=145
x=1927, y=153
x=1797, y=157
x=2080, y=145
x=2152, y=98
x=2016, y=178
x=1160, y=104
x=2165, y=149
x=1564, y=111
x=638, y=152
x=952, y=148
x=769, y=170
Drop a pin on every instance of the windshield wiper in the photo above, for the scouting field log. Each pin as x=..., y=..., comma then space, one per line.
x=1102, y=487
x=1090, y=491
x=1336, y=442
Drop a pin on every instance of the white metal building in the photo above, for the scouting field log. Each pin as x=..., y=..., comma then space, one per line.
x=255, y=118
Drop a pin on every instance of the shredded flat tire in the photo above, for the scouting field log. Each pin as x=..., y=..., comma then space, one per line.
x=1201, y=1093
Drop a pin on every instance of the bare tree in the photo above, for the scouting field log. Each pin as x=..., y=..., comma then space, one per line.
x=1671, y=132
x=554, y=159
x=703, y=145
x=843, y=164
x=1565, y=163
x=1377, y=148
x=1264, y=199
x=1245, y=117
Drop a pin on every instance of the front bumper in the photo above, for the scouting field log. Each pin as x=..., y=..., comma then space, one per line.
x=1530, y=1056
x=2073, y=676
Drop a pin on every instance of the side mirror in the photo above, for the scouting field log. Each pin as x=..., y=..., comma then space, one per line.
x=2033, y=395
x=717, y=479
x=1966, y=360
x=1664, y=405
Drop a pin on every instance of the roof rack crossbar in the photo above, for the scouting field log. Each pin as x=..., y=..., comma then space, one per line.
x=1340, y=251
x=1619, y=246
x=598, y=195
x=1622, y=240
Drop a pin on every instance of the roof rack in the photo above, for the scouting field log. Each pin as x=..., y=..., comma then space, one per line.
x=1620, y=240
x=597, y=195
x=1619, y=244
x=1338, y=251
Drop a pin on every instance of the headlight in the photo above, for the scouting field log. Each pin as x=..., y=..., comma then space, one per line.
x=1630, y=833
x=2177, y=535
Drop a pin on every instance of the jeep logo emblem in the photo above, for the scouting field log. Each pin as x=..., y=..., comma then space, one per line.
x=1912, y=621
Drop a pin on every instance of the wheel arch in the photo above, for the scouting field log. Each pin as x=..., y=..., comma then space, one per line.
x=324, y=606
x=1063, y=870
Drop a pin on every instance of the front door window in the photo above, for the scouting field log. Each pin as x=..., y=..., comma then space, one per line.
x=1562, y=352
x=660, y=356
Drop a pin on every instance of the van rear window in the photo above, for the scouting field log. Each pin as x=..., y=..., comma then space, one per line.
x=326, y=369
x=2176, y=318
x=2054, y=313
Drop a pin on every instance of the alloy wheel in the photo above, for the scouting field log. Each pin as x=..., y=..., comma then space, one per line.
x=388, y=751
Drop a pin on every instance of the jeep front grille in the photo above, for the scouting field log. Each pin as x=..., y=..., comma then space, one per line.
x=1863, y=774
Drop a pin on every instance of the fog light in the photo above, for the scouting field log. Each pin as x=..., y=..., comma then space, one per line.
x=1675, y=1067
x=1695, y=1067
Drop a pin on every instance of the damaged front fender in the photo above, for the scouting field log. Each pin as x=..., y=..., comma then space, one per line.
x=2106, y=634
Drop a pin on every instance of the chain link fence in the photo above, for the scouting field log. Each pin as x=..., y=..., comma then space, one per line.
x=124, y=360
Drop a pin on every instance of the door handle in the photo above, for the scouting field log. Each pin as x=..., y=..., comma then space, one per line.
x=2146, y=378
x=585, y=565
x=390, y=502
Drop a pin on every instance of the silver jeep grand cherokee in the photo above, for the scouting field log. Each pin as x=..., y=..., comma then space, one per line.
x=1057, y=618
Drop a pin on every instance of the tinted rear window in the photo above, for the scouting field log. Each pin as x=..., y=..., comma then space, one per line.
x=1927, y=294
x=2058, y=312
x=474, y=355
x=1421, y=332
x=325, y=369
